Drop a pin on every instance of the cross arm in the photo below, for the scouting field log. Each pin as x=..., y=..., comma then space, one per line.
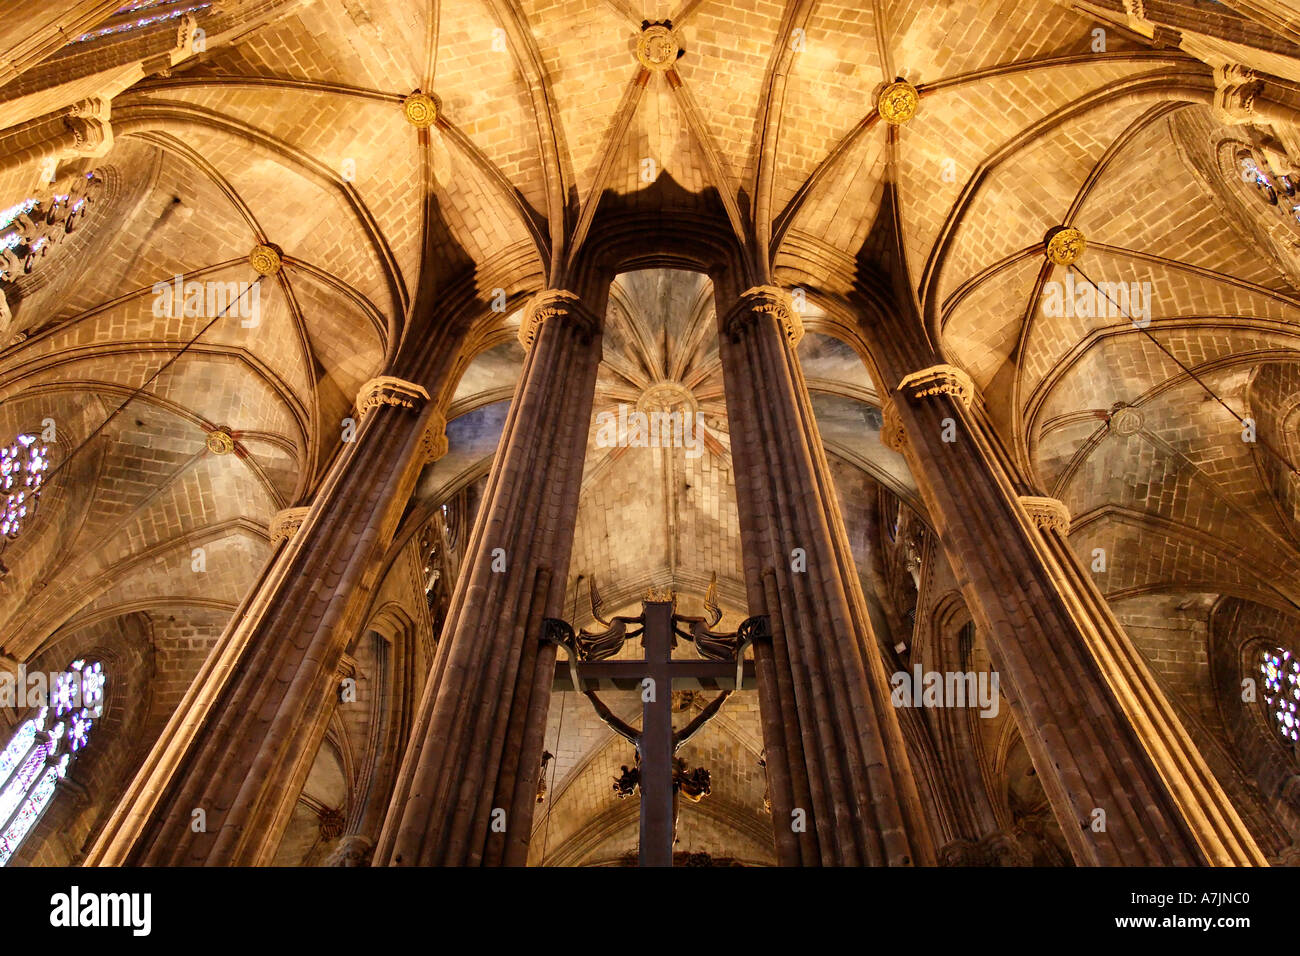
x=627, y=675
x=700, y=719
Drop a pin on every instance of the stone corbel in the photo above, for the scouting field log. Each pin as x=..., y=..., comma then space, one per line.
x=388, y=390
x=346, y=667
x=92, y=134
x=434, y=439
x=285, y=523
x=765, y=300
x=892, y=435
x=939, y=380
x=1136, y=13
x=188, y=42
x=553, y=304
x=1047, y=514
x=190, y=39
x=1235, y=91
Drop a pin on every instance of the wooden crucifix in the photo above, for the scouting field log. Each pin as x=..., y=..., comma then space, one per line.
x=722, y=667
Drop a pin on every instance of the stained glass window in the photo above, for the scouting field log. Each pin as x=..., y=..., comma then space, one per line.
x=22, y=471
x=15, y=246
x=1281, y=694
x=43, y=746
x=1281, y=191
x=142, y=21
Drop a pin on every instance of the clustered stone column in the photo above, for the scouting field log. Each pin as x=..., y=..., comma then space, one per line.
x=468, y=784
x=834, y=750
x=1126, y=783
x=219, y=787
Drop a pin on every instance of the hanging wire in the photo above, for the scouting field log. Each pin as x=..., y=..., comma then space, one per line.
x=1191, y=374
x=550, y=789
x=162, y=368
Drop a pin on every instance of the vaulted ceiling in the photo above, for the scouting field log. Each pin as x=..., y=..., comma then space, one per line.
x=287, y=127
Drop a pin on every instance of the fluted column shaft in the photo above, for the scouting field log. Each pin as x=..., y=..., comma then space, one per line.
x=240, y=745
x=467, y=788
x=833, y=744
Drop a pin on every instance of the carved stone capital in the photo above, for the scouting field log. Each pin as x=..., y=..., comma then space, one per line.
x=765, y=300
x=960, y=853
x=96, y=107
x=388, y=390
x=939, y=380
x=434, y=439
x=999, y=848
x=1290, y=856
x=285, y=523
x=352, y=850
x=1047, y=514
x=1004, y=849
x=553, y=304
x=1235, y=91
x=892, y=435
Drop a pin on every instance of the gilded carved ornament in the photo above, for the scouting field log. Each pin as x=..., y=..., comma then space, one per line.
x=657, y=48
x=1065, y=245
x=897, y=102
x=421, y=109
x=661, y=596
x=220, y=441
x=265, y=259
